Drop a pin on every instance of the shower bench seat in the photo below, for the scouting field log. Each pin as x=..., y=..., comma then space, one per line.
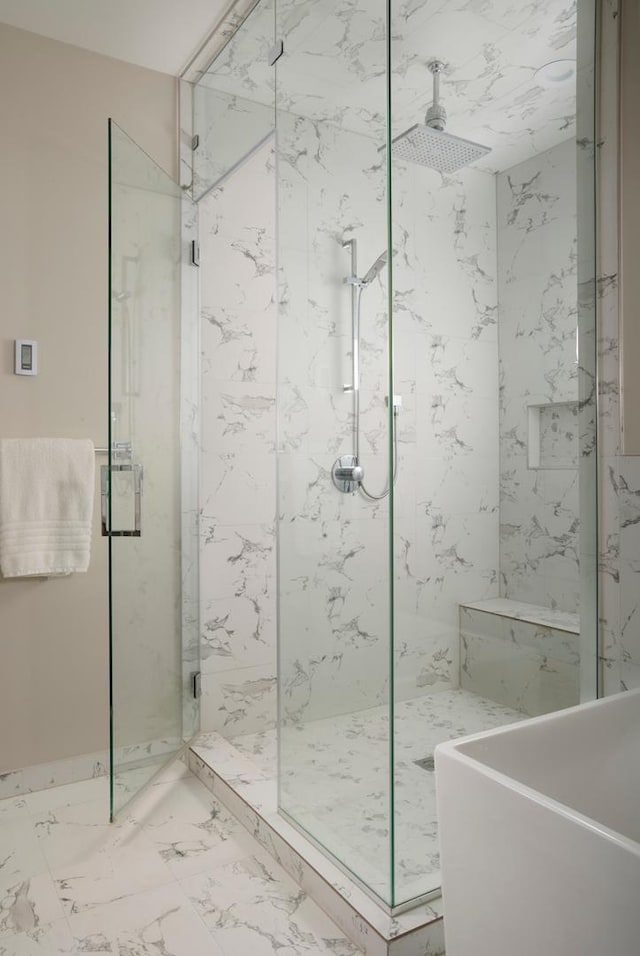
x=522, y=655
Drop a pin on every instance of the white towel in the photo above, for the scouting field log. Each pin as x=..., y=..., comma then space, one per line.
x=46, y=505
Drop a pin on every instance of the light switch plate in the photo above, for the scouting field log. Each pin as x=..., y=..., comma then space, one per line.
x=26, y=357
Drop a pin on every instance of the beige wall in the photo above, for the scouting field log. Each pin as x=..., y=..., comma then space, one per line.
x=54, y=104
x=630, y=225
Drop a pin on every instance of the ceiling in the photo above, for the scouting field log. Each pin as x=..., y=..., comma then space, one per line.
x=334, y=64
x=334, y=67
x=158, y=34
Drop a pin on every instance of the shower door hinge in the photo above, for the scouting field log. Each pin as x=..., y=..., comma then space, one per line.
x=196, y=685
x=195, y=252
x=276, y=52
x=195, y=142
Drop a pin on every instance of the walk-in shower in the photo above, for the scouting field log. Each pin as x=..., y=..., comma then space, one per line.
x=428, y=298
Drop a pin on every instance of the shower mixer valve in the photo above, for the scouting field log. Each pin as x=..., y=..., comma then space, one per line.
x=347, y=474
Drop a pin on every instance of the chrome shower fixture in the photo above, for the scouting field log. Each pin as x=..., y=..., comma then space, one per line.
x=347, y=472
x=376, y=268
x=429, y=145
x=374, y=271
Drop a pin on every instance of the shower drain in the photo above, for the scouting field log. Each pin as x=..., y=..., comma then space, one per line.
x=426, y=763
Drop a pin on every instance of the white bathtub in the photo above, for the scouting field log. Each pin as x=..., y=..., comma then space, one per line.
x=540, y=835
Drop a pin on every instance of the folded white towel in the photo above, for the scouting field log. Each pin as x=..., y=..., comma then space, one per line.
x=46, y=505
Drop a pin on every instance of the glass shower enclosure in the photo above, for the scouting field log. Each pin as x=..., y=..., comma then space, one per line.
x=432, y=170
x=436, y=411
x=146, y=475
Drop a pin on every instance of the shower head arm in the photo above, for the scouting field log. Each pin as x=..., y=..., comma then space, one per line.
x=436, y=116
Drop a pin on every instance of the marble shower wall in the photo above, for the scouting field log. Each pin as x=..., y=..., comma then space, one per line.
x=334, y=563
x=446, y=525
x=538, y=305
x=619, y=477
x=237, y=471
x=334, y=548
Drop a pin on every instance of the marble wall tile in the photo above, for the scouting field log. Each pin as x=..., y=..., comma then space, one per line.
x=619, y=475
x=58, y=773
x=447, y=274
x=526, y=666
x=237, y=458
x=240, y=700
x=537, y=278
x=446, y=369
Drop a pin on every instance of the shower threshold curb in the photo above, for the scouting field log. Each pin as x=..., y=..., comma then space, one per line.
x=251, y=797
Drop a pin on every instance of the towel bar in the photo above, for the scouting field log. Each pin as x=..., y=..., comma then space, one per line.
x=120, y=450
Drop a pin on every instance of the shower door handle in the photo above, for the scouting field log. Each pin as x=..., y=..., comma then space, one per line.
x=137, y=473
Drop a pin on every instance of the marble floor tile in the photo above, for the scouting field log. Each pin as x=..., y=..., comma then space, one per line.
x=159, y=922
x=12, y=808
x=21, y=856
x=335, y=782
x=190, y=831
x=53, y=939
x=84, y=791
x=252, y=906
x=94, y=862
x=27, y=893
x=72, y=884
x=28, y=904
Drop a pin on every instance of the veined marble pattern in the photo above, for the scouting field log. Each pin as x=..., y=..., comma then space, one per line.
x=237, y=474
x=335, y=782
x=333, y=70
x=84, y=767
x=39, y=777
x=520, y=662
x=250, y=793
x=177, y=874
x=334, y=565
x=619, y=485
x=532, y=613
x=538, y=305
x=334, y=548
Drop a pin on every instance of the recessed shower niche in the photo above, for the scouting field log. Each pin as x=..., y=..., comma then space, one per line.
x=553, y=435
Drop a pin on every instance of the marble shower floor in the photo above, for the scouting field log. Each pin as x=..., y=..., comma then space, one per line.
x=176, y=875
x=335, y=782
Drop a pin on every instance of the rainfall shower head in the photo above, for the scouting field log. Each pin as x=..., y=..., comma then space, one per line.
x=436, y=149
x=429, y=145
x=376, y=268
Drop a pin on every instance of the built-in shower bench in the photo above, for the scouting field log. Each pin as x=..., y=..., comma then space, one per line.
x=522, y=655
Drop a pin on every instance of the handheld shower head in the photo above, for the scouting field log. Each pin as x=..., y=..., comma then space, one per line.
x=376, y=268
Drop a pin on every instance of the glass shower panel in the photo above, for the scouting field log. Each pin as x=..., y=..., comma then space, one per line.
x=488, y=518
x=233, y=101
x=141, y=483
x=333, y=545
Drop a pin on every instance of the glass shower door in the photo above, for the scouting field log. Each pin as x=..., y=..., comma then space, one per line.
x=140, y=483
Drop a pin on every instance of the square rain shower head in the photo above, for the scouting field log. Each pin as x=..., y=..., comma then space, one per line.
x=436, y=149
